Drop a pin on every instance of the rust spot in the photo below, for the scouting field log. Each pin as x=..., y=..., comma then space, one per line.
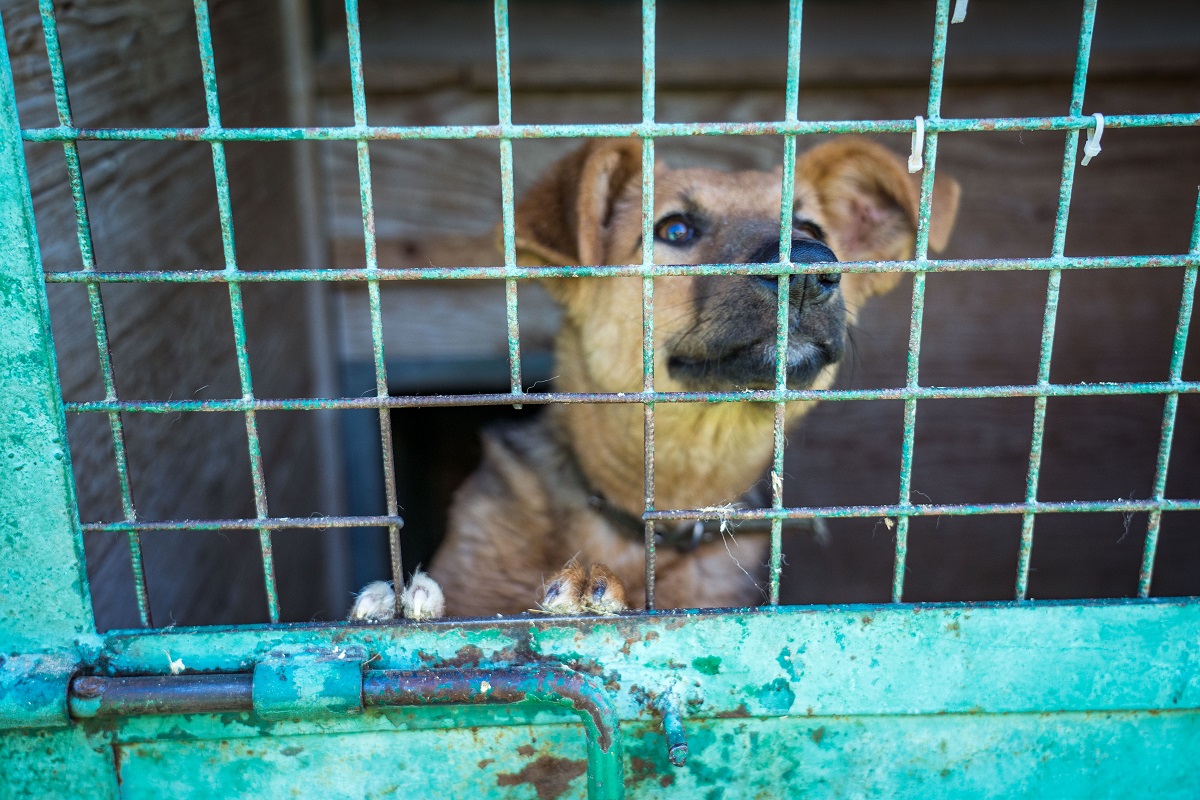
x=867, y=619
x=467, y=656
x=666, y=780
x=525, y=750
x=641, y=768
x=675, y=624
x=651, y=636
x=818, y=734
x=953, y=627
x=741, y=712
x=294, y=750
x=483, y=764
x=548, y=775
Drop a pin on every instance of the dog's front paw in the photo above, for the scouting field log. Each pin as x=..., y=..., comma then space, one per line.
x=575, y=590
x=422, y=598
x=376, y=602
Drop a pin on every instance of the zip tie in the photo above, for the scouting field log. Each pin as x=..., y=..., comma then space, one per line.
x=915, y=161
x=960, y=11
x=1091, y=148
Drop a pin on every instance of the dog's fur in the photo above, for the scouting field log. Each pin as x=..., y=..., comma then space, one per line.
x=530, y=506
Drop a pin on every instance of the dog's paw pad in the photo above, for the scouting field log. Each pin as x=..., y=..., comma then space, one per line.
x=564, y=594
x=605, y=593
x=375, y=602
x=422, y=598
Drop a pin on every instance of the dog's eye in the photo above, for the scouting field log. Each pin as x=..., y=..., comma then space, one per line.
x=808, y=229
x=675, y=229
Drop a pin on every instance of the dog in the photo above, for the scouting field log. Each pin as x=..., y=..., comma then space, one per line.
x=567, y=487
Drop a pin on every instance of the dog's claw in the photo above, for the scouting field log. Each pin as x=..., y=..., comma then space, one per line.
x=605, y=593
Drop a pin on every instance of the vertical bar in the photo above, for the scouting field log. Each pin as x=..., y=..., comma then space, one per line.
x=508, y=225
x=1171, y=404
x=648, y=110
x=937, y=73
x=95, y=302
x=1053, y=285
x=783, y=287
x=359, y=94
x=225, y=210
x=38, y=514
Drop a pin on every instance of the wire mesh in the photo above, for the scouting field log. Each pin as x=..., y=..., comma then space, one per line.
x=647, y=130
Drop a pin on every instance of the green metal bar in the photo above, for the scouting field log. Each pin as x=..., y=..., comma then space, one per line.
x=95, y=302
x=48, y=608
x=783, y=293
x=648, y=108
x=936, y=80
x=625, y=270
x=620, y=131
x=1186, y=304
x=359, y=94
x=225, y=211
x=1053, y=287
x=756, y=396
x=508, y=195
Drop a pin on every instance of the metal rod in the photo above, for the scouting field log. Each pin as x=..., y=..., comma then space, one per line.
x=1182, y=326
x=606, y=131
x=366, y=196
x=507, y=194
x=624, y=270
x=670, y=707
x=225, y=213
x=95, y=304
x=648, y=108
x=94, y=697
x=539, y=398
x=1053, y=288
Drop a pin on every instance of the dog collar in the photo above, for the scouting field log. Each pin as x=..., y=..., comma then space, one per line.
x=686, y=535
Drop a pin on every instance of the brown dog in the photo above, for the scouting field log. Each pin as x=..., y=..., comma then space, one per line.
x=570, y=483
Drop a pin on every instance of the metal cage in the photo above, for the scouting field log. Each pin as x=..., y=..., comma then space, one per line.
x=1046, y=698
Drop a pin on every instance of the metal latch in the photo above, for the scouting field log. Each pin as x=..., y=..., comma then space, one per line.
x=309, y=684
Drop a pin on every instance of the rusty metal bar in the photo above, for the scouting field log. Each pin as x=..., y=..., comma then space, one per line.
x=96, y=697
x=648, y=109
x=604, y=131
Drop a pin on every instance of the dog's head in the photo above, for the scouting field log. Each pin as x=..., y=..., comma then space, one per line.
x=854, y=201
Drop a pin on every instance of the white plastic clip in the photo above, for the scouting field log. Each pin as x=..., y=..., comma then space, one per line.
x=915, y=159
x=1091, y=148
x=960, y=11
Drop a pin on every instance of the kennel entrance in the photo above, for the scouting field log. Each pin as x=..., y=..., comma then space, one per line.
x=1074, y=699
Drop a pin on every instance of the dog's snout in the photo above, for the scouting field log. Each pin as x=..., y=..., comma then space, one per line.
x=811, y=286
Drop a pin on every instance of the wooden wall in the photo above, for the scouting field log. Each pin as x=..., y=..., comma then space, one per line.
x=438, y=202
x=153, y=206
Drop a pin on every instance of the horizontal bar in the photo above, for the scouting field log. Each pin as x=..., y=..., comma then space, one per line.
x=269, y=523
x=924, y=510
x=643, y=130
x=755, y=396
x=732, y=515
x=623, y=270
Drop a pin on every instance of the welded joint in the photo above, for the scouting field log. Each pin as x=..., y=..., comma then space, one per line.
x=309, y=684
x=33, y=690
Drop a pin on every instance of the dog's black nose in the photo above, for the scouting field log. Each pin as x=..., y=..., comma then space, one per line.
x=811, y=287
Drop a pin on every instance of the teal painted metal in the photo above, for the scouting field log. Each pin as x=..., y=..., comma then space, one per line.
x=308, y=685
x=46, y=608
x=902, y=701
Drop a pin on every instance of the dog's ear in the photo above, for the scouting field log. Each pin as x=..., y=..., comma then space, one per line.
x=563, y=219
x=870, y=203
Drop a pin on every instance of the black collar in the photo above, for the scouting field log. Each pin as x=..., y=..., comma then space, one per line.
x=686, y=535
